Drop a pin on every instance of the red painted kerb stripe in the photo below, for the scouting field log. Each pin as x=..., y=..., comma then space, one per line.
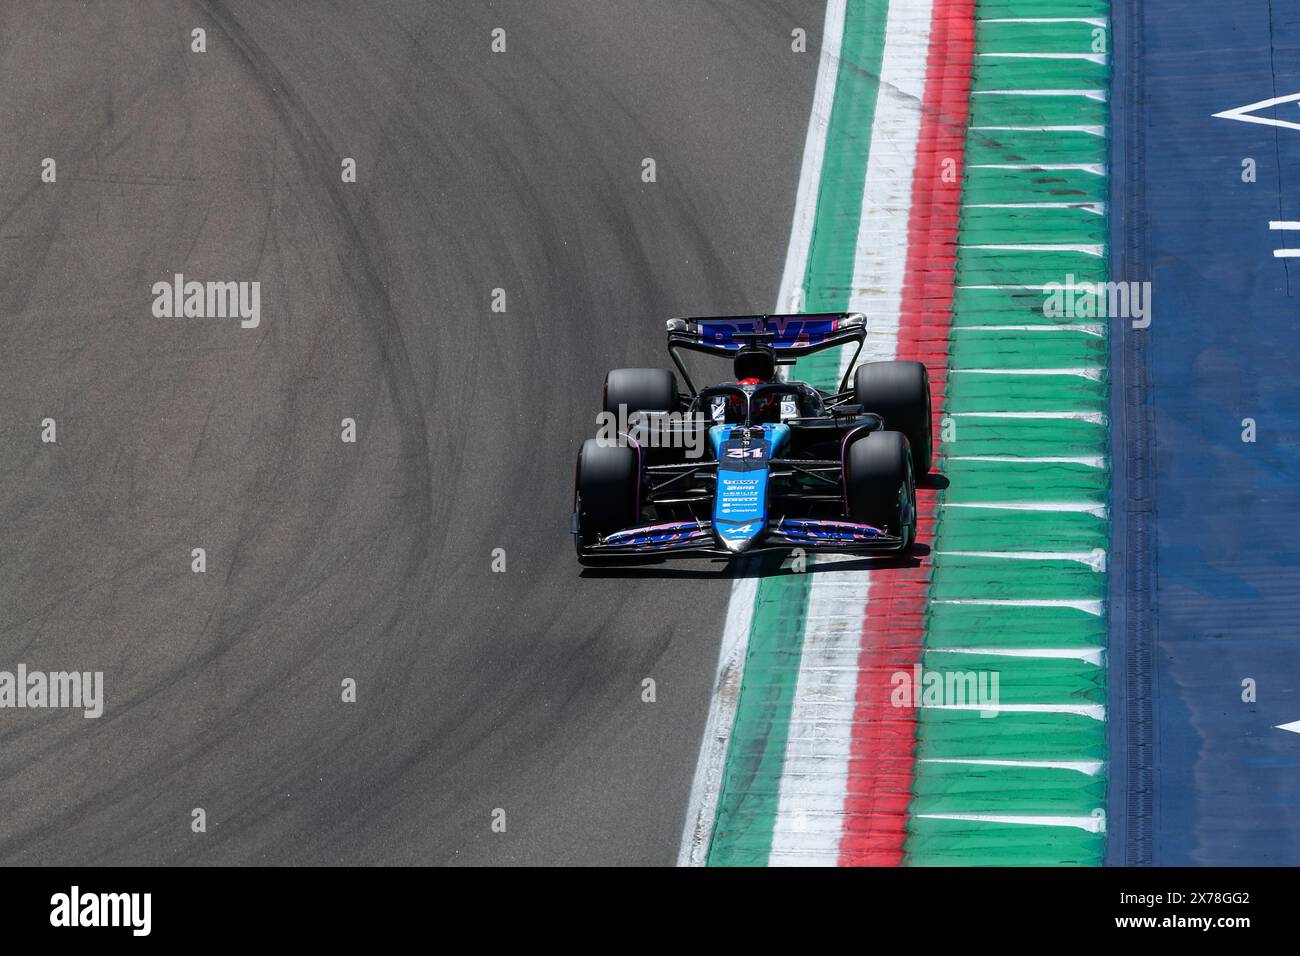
x=883, y=756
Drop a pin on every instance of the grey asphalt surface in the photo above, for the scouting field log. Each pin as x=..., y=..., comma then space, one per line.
x=477, y=690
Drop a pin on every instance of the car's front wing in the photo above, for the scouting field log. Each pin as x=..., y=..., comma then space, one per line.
x=684, y=539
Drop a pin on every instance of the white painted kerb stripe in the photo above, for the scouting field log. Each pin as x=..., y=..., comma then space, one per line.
x=1089, y=767
x=1082, y=507
x=1089, y=328
x=1090, y=57
x=1091, y=711
x=1092, y=607
x=1095, y=374
x=1099, y=95
x=1094, y=418
x=1090, y=461
x=821, y=717
x=1096, y=208
x=1060, y=128
x=1094, y=21
x=1097, y=169
x=1091, y=824
x=1086, y=248
x=1090, y=558
x=1088, y=655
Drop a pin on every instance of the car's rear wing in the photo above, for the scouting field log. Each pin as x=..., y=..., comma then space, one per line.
x=790, y=336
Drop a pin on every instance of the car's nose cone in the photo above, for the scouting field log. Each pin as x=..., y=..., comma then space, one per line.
x=737, y=544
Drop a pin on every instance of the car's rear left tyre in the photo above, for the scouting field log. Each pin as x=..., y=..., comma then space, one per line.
x=899, y=392
x=879, y=487
x=641, y=390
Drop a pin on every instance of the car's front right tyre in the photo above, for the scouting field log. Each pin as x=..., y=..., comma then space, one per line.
x=879, y=487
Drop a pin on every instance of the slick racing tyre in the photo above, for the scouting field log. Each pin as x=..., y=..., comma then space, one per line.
x=899, y=392
x=879, y=486
x=607, y=488
x=641, y=390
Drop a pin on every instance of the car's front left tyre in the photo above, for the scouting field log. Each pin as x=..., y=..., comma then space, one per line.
x=607, y=490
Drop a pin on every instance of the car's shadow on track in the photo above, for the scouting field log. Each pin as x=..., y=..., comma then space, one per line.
x=757, y=566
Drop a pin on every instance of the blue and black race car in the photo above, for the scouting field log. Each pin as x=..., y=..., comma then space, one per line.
x=760, y=463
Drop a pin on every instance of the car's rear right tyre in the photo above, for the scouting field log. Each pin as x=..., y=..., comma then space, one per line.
x=899, y=392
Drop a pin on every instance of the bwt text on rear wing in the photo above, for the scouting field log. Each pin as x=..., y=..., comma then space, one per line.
x=790, y=336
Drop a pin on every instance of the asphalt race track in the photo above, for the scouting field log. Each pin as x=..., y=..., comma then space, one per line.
x=372, y=561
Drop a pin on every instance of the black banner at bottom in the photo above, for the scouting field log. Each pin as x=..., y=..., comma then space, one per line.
x=341, y=905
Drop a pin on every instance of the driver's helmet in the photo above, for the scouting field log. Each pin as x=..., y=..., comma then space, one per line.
x=756, y=363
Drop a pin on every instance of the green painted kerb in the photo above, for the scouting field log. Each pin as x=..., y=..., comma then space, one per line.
x=1042, y=773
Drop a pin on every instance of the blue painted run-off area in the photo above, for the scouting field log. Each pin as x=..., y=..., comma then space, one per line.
x=1224, y=345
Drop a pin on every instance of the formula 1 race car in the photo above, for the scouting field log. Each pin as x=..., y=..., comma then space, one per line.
x=760, y=463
